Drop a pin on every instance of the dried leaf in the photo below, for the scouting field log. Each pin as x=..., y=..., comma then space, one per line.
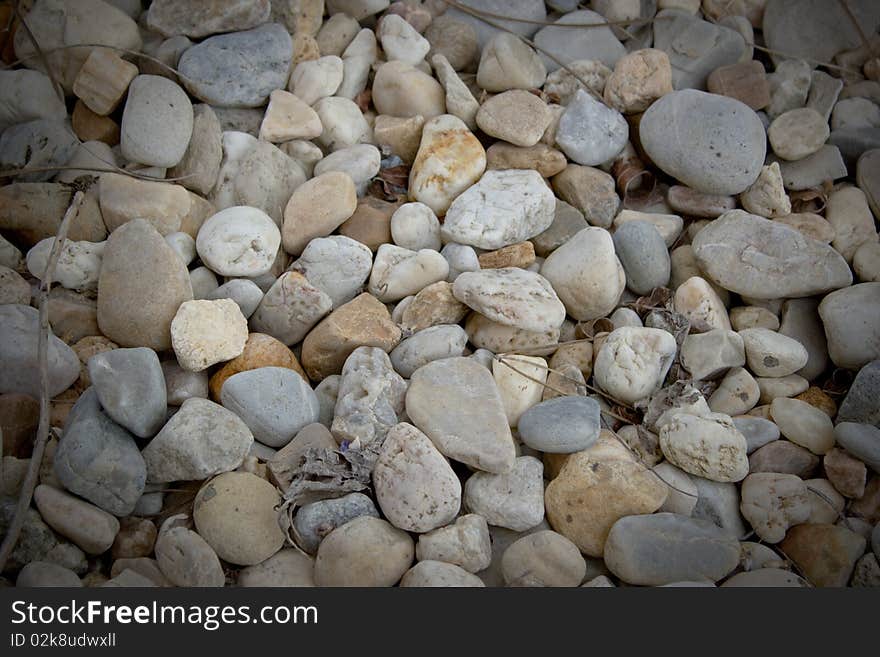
x=660, y=298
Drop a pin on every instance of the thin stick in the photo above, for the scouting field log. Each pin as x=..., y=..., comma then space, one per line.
x=30, y=480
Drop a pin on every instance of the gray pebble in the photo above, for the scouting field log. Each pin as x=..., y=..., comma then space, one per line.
x=317, y=519
x=157, y=122
x=244, y=292
x=862, y=402
x=642, y=252
x=40, y=143
x=562, y=425
x=432, y=343
x=590, y=132
x=757, y=431
x=860, y=440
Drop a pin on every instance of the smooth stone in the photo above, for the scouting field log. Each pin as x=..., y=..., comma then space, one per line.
x=89, y=527
x=414, y=226
x=201, y=440
x=850, y=317
x=343, y=124
x=586, y=274
x=590, y=132
x=695, y=47
x=783, y=456
x=314, y=521
x=313, y=80
x=415, y=486
x=286, y=568
x=260, y=350
x=476, y=434
x=773, y=502
x=633, y=362
x=783, y=386
x=438, y=573
x=370, y=399
x=400, y=40
x=238, y=69
x=336, y=265
x=520, y=380
x=720, y=504
x=399, y=272
x=366, y=551
x=41, y=574
x=866, y=262
x=429, y=344
x=526, y=10
x=862, y=401
x=803, y=424
x=360, y=161
x=544, y=558
x=517, y=117
x=825, y=164
x=824, y=553
x=589, y=190
x=157, y=122
x=14, y=288
x=245, y=293
x=772, y=354
x=766, y=578
x=723, y=156
x=403, y=91
x=205, y=17
x=433, y=306
x=708, y=446
x=800, y=320
x=682, y=493
x=204, y=333
x=756, y=430
x=707, y=355
x=511, y=296
x=287, y=118
x=568, y=45
x=860, y=440
x=665, y=547
x=19, y=325
x=563, y=425
x=503, y=208
x=450, y=160
x=597, y=487
x=28, y=96
x=765, y=259
x=567, y=222
x=514, y=499
x=99, y=460
x=464, y=543
x=849, y=215
x=274, y=403
x=643, y=255
x=187, y=559
x=797, y=133
x=239, y=241
x=507, y=62
x=131, y=388
x=310, y=212
x=290, y=308
x=235, y=513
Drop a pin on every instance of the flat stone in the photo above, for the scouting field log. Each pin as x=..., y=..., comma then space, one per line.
x=568, y=45
x=157, y=122
x=131, y=388
x=475, y=434
x=543, y=558
x=562, y=425
x=99, y=460
x=187, y=559
x=826, y=554
x=763, y=259
x=860, y=440
x=665, y=547
x=723, y=157
x=201, y=440
x=315, y=520
x=464, y=543
x=89, y=527
x=290, y=308
x=862, y=401
x=238, y=69
x=590, y=132
x=205, y=17
x=366, y=551
x=310, y=213
x=850, y=320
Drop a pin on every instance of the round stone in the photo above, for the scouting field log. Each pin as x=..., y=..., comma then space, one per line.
x=633, y=362
x=544, y=558
x=239, y=241
x=798, y=133
x=562, y=425
x=157, y=122
x=590, y=132
x=364, y=552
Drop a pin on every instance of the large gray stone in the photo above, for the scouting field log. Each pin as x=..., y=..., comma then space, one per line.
x=862, y=402
x=860, y=440
x=562, y=425
x=568, y=44
x=532, y=10
x=131, y=388
x=202, y=439
x=851, y=317
x=274, y=402
x=239, y=69
x=19, y=361
x=712, y=143
x=666, y=547
x=99, y=460
x=764, y=259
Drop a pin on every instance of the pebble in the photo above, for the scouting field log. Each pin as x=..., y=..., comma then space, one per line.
x=157, y=122
x=316, y=209
x=860, y=440
x=562, y=425
x=432, y=306
x=517, y=117
x=88, y=526
x=503, y=208
x=205, y=17
x=136, y=538
x=774, y=502
x=597, y=487
x=850, y=320
x=235, y=513
x=521, y=384
x=514, y=499
x=803, y=424
x=18, y=354
x=438, y=573
x=338, y=266
x=589, y=132
x=317, y=519
x=260, y=350
x=783, y=456
x=400, y=41
x=824, y=553
x=274, y=403
x=286, y=568
x=99, y=460
x=682, y=499
x=399, y=272
x=849, y=215
x=707, y=355
x=633, y=362
x=511, y=296
x=639, y=78
x=529, y=10
x=131, y=388
x=568, y=45
x=207, y=332
x=245, y=293
x=477, y=433
x=724, y=156
x=643, y=255
x=27, y=96
x=239, y=69
x=464, y=543
x=866, y=262
x=186, y=559
x=746, y=81
x=772, y=354
x=315, y=79
x=39, y=144
x=399, y=135
x=720, y=504
x=290, y=308
x=201, y=440
x=544, y=558
x=366, y=551
x=14, y=288
x=846, y=473
x=860, y=403
x=789, y=265
x=78, y=265
x=287, y=118
x=404, y=91
x=542, y=158
x=708, y=446
x=766, y=197
x=663, y=548
x=363, y=321
x=38, y=574
x=415, y=485
x=370, y=399
x=360, y=161
x=507, y=63
x=797, y=133
x=414, y=226
x=586, y=274
x=427, y=345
